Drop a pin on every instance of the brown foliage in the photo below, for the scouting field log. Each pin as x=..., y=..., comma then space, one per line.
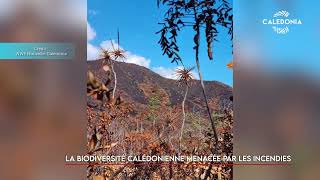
x=120, y=128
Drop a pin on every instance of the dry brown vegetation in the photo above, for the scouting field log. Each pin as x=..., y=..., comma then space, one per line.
x=117, y=126
x=150, y=115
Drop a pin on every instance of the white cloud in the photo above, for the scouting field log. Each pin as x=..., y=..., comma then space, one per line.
x=165, y=72
x=136, y=59
x=92, y=52
x=170, y=72
x=91, y=33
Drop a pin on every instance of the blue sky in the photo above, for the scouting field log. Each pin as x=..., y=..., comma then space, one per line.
x=138, y=23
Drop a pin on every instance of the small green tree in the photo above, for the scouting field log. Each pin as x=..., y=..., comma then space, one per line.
x=153, y=105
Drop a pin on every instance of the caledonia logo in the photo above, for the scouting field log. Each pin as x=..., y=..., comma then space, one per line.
x=281, y=22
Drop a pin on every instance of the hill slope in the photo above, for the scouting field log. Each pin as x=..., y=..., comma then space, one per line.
x=137, y=84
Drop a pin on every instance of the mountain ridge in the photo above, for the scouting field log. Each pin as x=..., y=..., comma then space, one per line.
x=137, y=83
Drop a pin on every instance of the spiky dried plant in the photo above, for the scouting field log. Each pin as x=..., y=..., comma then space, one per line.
x=117, y=53
x=184, y=77
x=111, y=56
x=105, y=54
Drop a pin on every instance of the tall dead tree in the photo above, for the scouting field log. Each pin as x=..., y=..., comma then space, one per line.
x=201, y=15
x=184, y=78
x=110, y=56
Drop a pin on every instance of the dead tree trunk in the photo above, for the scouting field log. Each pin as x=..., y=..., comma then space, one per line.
x=184, y=116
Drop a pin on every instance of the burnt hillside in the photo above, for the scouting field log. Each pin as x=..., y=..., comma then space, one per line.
x=134, y=83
